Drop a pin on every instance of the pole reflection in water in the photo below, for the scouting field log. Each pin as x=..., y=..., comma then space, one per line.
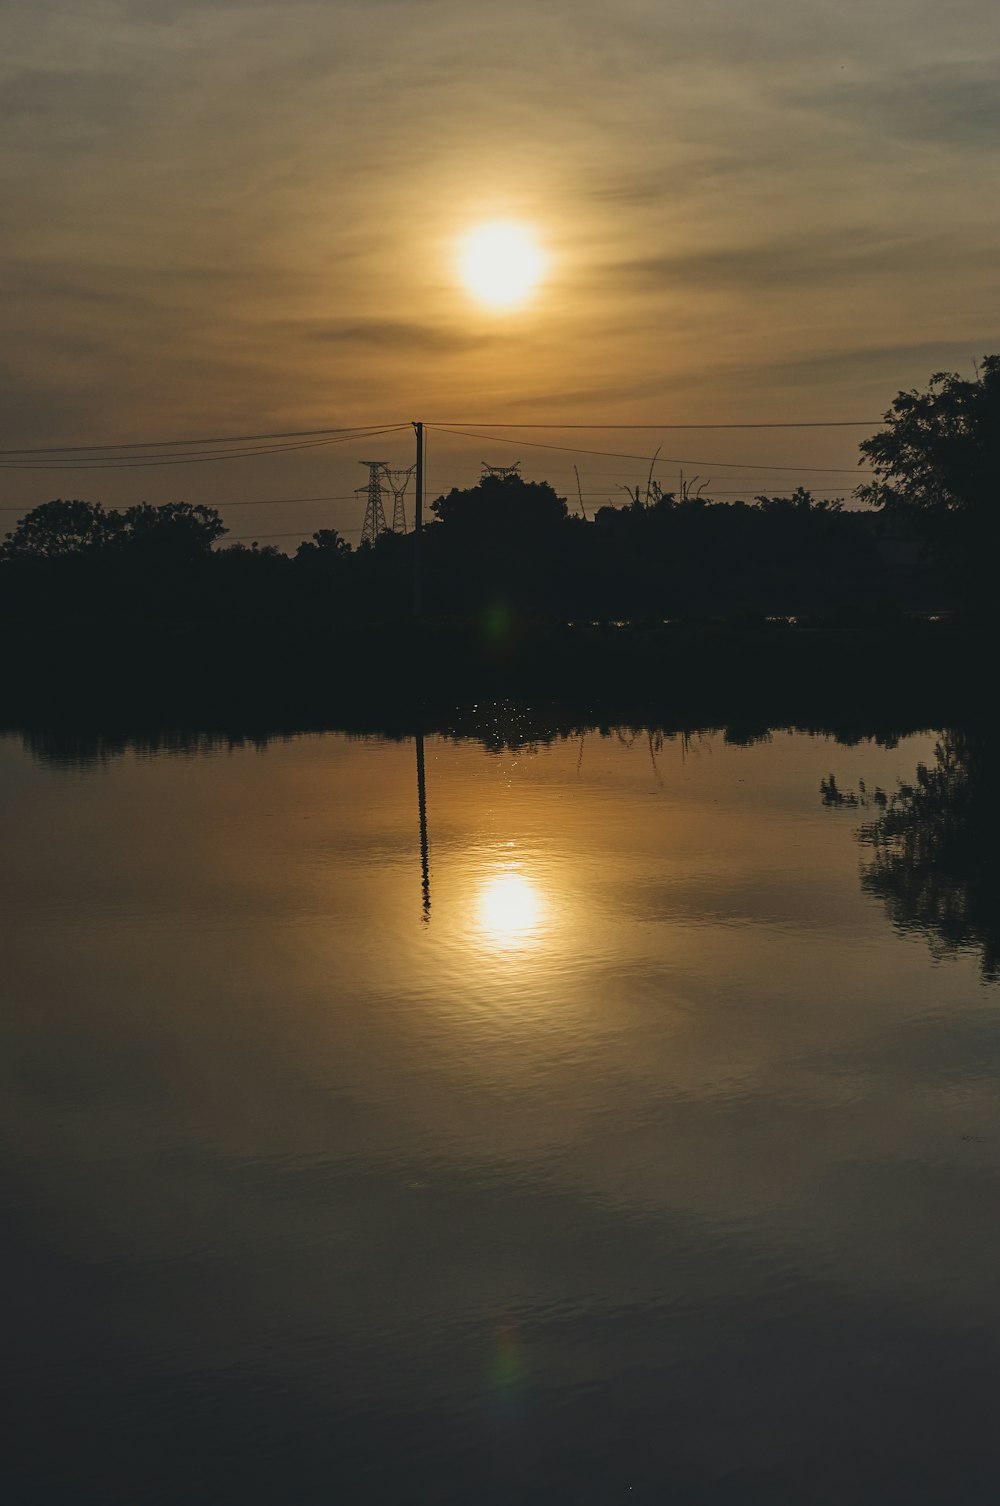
x=425, y=871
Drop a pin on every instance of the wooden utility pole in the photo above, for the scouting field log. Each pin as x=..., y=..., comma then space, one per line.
x=418, y=525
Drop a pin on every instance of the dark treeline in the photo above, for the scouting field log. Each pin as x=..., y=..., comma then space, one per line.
x=506, y=546
x=520, y=595
x=511, y=543
x=497, y=726
x=150, y=604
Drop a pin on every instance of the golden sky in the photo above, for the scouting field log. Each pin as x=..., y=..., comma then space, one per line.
x=240, y=217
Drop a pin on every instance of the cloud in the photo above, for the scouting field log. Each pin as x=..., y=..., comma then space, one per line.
x=952, y=105
x=819, y=259
x=919, y=356
x=396, y=335
x=215, y=213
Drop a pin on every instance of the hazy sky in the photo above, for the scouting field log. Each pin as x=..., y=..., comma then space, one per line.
x=231, y=217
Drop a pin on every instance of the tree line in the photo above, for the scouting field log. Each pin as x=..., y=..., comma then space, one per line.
x=509, y=545
x=505, y=543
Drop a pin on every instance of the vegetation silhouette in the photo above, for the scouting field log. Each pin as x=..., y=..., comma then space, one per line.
x=509, y=549
x=935, y=847
x=777, y=601
x=937, y=469
x=506, y=545
x=174, y=532
x=158, y=619
x=497, y=726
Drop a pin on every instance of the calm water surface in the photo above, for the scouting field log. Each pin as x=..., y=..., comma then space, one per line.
x=640, y=1146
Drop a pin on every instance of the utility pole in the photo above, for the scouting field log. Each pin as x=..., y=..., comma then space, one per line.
x=418, y=524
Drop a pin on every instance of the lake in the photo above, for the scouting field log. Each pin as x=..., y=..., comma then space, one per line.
x=609, y=1118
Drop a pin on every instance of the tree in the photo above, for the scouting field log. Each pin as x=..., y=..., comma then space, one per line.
x=326, y=546
x=935, y=845
x=937, y=463
x=501, y=507
x=174, y=533
x=56, y=530
x=498, y=545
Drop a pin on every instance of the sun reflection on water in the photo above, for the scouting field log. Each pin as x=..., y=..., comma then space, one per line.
x=510, y=909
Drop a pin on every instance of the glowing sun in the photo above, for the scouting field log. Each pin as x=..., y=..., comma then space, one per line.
x=511, y=911
x=501, y=263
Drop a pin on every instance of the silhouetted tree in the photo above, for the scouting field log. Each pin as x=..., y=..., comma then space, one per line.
x=801, y=501
x=681, y=555
x=500, y=544
x=173, y=532
x=55, y=530
x=326, y=545
x=501, y=507
x=937, y=463
x=936, y=847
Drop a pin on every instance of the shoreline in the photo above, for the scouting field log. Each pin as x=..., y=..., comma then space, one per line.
x=396, y=679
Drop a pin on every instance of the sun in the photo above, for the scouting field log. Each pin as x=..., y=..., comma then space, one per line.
x=501, y=263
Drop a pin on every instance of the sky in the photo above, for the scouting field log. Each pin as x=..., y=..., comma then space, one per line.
x=242, y=218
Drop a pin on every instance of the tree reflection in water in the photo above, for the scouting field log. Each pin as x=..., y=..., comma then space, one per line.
x=934, y=845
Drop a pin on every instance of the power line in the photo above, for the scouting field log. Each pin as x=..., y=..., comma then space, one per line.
x=662, y=459
x=385, y=425
x=248, y=502
x=124, y=463
x=820, y=423
x=349, y=497
x=241, y=538
x=282, y=502
x=96, y=462
x=626, y=474
x=739, y=491
x=163, y=444
x=120, y=463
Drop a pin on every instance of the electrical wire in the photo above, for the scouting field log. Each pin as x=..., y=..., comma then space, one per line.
x=661, y=459
x=120, y=463
x=820, y=423
x=164, y=444
x=241, y=538
x=97, y=462
x=283, y=502
x=624, y=476
x=385, y=425
x=250, y=502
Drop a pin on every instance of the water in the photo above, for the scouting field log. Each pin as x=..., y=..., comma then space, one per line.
x=639, y=1145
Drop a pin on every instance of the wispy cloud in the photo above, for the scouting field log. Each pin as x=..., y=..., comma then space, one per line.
x=397, y=335
x=822, y=261
x=950, y=105
x=218, y=211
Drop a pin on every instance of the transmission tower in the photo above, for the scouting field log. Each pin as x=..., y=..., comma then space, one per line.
x=374, y=523
x=398, y=482
x=501, y=472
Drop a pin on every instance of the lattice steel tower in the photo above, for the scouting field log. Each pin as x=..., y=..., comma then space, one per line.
x=500, y=471
x=398, y=482
x=374, y=523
